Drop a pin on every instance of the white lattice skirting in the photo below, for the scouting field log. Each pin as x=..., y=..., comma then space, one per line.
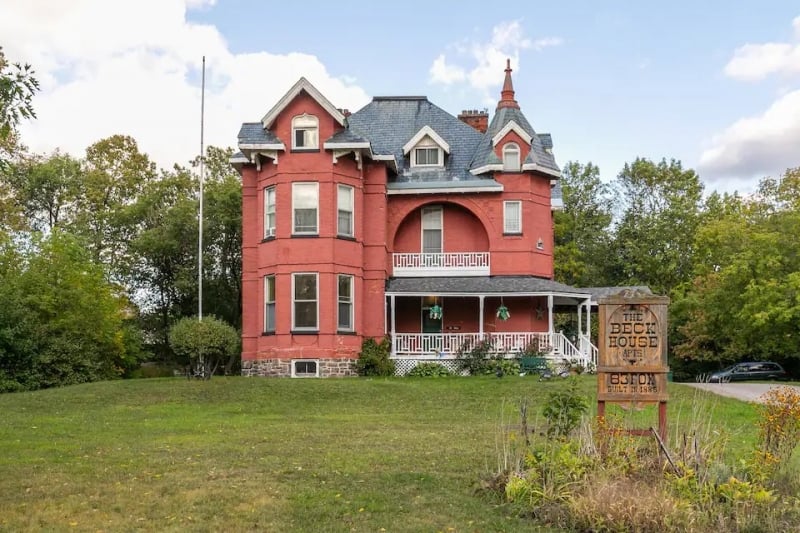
x=404, y=366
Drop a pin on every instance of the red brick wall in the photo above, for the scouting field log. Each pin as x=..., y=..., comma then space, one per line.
x=325, y=254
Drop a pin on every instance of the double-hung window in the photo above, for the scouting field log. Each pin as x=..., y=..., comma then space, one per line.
x=512, y=217
x=269, y=303
x=269, y=212
x=305, y=203
x=305, y=290
x=305, y=130
x=345, y=294
x=344, y=204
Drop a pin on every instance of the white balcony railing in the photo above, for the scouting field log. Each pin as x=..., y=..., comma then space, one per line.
x=449, y=264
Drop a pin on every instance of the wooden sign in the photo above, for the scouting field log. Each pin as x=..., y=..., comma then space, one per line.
x=632, y=356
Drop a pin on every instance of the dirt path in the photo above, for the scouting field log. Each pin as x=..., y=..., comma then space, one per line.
x=747, y=392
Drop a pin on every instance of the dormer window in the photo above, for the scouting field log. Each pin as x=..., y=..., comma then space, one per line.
x=426, y=157
x=305, y=132
x=511, y=156
x=426, y=148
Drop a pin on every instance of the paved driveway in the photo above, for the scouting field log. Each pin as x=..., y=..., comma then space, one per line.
x=747, y=392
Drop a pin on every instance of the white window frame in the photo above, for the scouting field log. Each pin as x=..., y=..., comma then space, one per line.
x=512, y=149
x=350, y=302
x=269, y=230
x=429, y=149
x=295, y=188
x=306, y=123
x=431, y=209
x=350, y=191
x=507, y=229
x=427, y=143
x=294, y=368
x=269, y=299
x=315, y=327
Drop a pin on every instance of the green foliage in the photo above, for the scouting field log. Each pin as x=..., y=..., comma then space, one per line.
x=61, y=322
x=429, y=369
x=17, y=87
x=211, y=340
x=563, y=410
x=374, y=358
x=744, y=299
x=660, y=207
x=474, y=358
x=582, y=227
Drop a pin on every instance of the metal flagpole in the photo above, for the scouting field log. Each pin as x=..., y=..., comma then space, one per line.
x=200, y=217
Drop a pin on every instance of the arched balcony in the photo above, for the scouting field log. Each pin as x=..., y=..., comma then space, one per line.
x=443, y=239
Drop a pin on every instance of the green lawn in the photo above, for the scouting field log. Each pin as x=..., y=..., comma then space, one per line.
x=239, y=454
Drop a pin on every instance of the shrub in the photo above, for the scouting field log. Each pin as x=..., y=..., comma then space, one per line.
x=564, y=409
x=474, y=357
x=779, y=424
x=501, y=366
x=429, y=370
x=374, y=358
x=214, y=339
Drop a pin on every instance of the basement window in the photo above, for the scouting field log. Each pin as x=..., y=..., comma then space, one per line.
x=305, y=368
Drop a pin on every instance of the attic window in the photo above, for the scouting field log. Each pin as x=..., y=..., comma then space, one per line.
x=426, y=148
x=426, y=157
x=305, y=134
x=511, y=157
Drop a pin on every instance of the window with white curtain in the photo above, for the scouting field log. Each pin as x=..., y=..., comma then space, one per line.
x=305, y=204
x=345, y=311
x=512, y=217
x=344, y=204
x=511, y=156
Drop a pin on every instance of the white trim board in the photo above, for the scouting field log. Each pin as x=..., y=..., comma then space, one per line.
x=302, y=85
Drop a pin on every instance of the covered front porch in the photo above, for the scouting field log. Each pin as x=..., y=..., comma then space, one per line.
x=435, y=319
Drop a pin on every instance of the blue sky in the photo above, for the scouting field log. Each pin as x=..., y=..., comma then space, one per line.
x=715, y=84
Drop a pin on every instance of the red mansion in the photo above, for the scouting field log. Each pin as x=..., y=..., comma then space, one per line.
x=398, y=220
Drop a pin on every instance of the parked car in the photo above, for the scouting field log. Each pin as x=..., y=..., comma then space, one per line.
x=749, y=371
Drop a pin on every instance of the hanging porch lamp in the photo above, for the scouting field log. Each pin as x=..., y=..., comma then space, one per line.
x=435, y=312
x=502, y=311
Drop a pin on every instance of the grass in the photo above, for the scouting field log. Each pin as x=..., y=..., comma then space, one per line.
x=240, y=454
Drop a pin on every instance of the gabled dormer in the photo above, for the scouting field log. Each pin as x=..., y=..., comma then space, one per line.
x=300, y=132
x=426, y=149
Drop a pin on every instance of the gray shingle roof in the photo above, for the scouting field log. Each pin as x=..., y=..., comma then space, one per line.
x=346, y=136
x=485, y=155
x=479, y=285
x=254, y=133
x=390, y=122
x=604, y=292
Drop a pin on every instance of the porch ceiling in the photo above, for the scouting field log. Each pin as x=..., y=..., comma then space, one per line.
x=482, y=285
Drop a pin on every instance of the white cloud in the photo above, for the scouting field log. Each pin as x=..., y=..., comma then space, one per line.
x=488, y=59
x=441, y=72
x=752, y=62
x=757, y=146
x=103, y=74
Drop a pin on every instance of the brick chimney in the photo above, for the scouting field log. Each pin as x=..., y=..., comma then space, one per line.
x=475, y=118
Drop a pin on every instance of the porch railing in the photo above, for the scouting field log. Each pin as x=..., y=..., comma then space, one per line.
x=444, y=264
x=448, y=345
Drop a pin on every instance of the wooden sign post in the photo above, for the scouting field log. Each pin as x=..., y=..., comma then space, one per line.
x=632, y=359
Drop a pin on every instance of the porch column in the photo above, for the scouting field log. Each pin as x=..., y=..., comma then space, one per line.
x=480, y=316
x=550, y=314
x=580, y=320
x=589, y=319
x=394, y=330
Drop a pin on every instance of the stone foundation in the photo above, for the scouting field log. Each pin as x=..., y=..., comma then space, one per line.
x=273, y=368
